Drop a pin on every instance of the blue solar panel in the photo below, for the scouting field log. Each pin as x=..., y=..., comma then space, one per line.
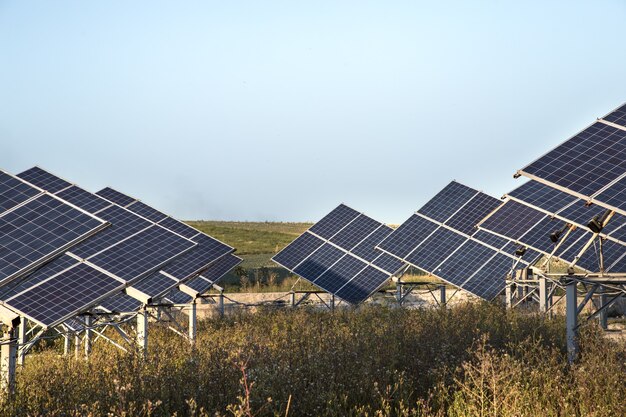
x=542, y=196
x=611, y=252
x=83, y=199
x=178, y=297
x=466, y=219
x=14, y=192
x=489, y=281
x=490, y=239
x=340, y=273
x=447, y=201
x=435, y=249
x=214, y=273
x=39, y=230
x=115, y=196
x=208, y=250
x=513, y=220
x=538, y=237
x=142, y=253
x=367, y=248
x=179, y=227
x=389, y=263
x=615, y=195
x=146, y=211
x=580, y=214
x=322, y=259
x=40, y=274
x=44, y=180
x=155, y=284
x=63, y=295
x=334, y=221
x=464, y=262
x=618, y=116
x=355, y=232
x=406, y=237
x=585, y=163
x=297, y=250
x=363, y=285
x=120, y=303
x=123, y=225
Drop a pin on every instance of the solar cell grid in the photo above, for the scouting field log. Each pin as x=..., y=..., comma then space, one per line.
x=146, y=211
x=585, y=163
x=538, y=237
x=14, y=192
x=489, y=280
x=178, y=297
x=340, y=273
x=447, y=201
x=141, y=253
x=490, y=239
x=43, y=179
x=435, y=249
x=464, y=262
x=62, y=295
x=178, y=227
x=123, y=225
x=367, y=248
x=363, y=285
x=40, y=274
x=406, y=237
x=512, y=220
x=120, y=303
x=543, y=196
x=155, y=284
x=466, y=219
x=207, y=250
x=83, y=199
x=318, y=262
x=389, y=263
x=199, y=284
x=355, y=232
x=618, y=116
x=298, y=250
x=39, y=229
x=334, y=221
x=115, y=196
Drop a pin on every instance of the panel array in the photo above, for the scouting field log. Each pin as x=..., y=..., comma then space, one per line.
x=338, y=255
x=441, y=238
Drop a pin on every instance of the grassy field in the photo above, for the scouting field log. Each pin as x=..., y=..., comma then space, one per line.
x=470, y=360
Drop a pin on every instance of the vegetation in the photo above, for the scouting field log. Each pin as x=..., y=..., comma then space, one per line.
x=471, y=360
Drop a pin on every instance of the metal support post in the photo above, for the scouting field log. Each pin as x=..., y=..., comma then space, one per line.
x=192, y=321
x=77, y=345
x=508, y=295
x=8, y=354
x=21, y=340
x=87, y=338
x=543, y=295
x=571, y=321
x=399, y=292
x=142, y=330
x=293, y=298
x=442, y=295
x=332, y=302
x=66, y=345
x=220, y=304
x=603, y=317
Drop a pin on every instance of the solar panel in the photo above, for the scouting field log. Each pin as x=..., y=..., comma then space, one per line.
x=207, y=250
x=63, y=295
x=176, y=296
x=450, y=246
x=40, y=274
x=214, y=273
x=179, y=227
x=617, y=116
x=43, y=179
x=39, y=230
x=155, y=284
x=146, y=211
x=542, y=196
x=115, y=196
x=334, y=221
x=13, y=191
x=337, y=261
x=142, y=253
x=119, y=303
x=83, y=199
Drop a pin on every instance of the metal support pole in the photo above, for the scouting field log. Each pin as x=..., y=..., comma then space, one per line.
x=76, y=345
x=87, y=338
x=508, y=295
x=220, y=305
x=192, y=322
x=142, y=330
x=293, y=298
x=8, y=354
x=66, y=345
x=332, y=302
x=543, y=295
x=603, y=317
x=399, y=292
x=571, y=321
x=21, y=340
x=442, y=295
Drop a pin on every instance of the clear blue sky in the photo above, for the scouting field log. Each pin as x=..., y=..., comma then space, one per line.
x=267, y=110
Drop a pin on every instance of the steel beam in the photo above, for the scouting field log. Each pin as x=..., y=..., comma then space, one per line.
x=571, y=320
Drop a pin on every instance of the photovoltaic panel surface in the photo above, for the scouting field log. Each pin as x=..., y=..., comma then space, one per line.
x=176, y=296
x=146, y=211
x=38, y=230
x=119, y=303
x=83, y=199
x=451, y=247
x=207, y=250
x=155, y=284
x=13, y=191
x=43, y=179
x=334, y=253
x=63, y=294
x=214, y=273
x=115, y=196
x=617, y=116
